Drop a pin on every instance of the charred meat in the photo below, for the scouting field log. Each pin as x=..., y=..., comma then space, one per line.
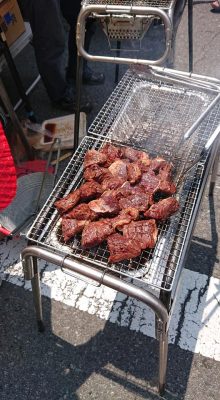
x=70, y=227
x=81, y=212
x=105, y=205
x=90, y=190
x=138, y=200
x=94, y=157
x=134, y=172
x=96, y=232
x=122, y=248
x=145, y=232
x=112, y=153
x=163, y=209
x=67, y=203
x=119, y=169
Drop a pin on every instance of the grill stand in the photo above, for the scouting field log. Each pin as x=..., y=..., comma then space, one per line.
x=30, y=256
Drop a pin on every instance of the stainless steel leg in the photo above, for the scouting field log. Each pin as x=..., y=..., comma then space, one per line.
x=35, y=283
x=163, y=353
x=214, y=171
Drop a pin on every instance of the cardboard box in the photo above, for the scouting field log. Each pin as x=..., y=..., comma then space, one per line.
x=11, y=21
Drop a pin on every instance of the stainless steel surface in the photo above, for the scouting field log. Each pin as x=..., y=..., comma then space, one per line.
x=152, y=115
x=91, y=272
x=29, y=259
x=113, y=16
x=143, y=3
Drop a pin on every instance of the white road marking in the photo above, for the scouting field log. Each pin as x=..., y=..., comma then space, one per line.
x=195, y=323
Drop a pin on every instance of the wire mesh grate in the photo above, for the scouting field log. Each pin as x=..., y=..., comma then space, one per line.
x=137, y=3
x=156, y=267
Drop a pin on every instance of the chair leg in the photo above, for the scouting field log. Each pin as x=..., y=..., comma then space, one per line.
x=35, y=283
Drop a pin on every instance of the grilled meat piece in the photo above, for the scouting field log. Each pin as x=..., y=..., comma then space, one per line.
x=124, y=218
x=112, y=183
x=95, y=172
x=144, y=161
x=94, y=157
x=166, y=187
x=130, y=153
x=81, y=212
x=153, y=184
x=112, y=153
x=163, y=209
x=119, y=169
x=70, y=227
x=138, y=200
x=134, y=172
x=66, y=203
x=96, y=232
x=90, y=190
x=149, y=181
x=121, y=248
x=145, y=232
x=105, y=205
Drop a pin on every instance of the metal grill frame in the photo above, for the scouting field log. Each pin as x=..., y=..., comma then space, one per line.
x=104, y=10
x=160, y=301
x=151, y=267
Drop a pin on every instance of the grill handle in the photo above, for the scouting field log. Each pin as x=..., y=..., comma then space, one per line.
x=203, y=153
x=86, y=11
x=202, y=116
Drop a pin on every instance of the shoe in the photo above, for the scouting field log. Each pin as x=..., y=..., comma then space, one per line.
x=91, y=77
x=68, y=102
x=215, y=6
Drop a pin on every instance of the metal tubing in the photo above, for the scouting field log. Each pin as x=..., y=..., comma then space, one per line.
x=163, y=352
x=35, y=283
x=78, y=98
x=87, y=269
x=17, y=79
x=201, y=117
x=28, y=91
x=13, y=116
x=87, y=10
x=214, y=169
x=190, y=33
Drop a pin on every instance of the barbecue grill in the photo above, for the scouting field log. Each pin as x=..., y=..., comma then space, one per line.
x=166, y=113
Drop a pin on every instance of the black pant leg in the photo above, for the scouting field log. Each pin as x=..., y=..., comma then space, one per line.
x=70, y=11
x=49, y=43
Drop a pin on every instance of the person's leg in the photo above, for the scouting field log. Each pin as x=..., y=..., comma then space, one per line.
x=49, y=43
x=70, y=13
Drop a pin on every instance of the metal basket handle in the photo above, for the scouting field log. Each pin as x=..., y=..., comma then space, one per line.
x=86, y=11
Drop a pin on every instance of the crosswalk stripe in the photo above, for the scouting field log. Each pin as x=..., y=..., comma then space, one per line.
x=195, y=323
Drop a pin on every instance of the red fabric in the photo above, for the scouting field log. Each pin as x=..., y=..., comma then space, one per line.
x=29, y=167
x=8, y=181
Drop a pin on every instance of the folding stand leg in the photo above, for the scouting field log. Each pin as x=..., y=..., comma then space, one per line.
x=16, y=77
x=162, y=336
x=117, y=65
x=79, y=71
x=214, y=171
x=163, y=353
x=190, y=34
x=13, y=116
x=35, y=283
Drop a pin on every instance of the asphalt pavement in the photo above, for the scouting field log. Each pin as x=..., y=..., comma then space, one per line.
x=97, y=343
